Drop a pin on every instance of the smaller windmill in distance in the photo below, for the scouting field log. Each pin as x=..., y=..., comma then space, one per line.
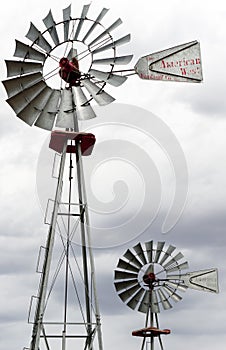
x=148, y=278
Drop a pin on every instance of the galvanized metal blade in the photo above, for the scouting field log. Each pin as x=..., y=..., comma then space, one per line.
x=51, y=26
x=25, y=51
x=15, y=68
x=107, y=31
x=179, y=267
x=121, y=285
x=164, y=300
x=173, y=260
x=158, y=252
x=136, y=299
x=123, y=275
x=16, y=85
x=83, y=108
x=37, y=38
x=66, y=18
x=125, y=39
x=100, y=96
x=122, y=60
x=139, y=250
x=122, y=264
x=30, y=113
x=72, y=53
x=167, y=254
x=132, y=258
x=145, y=303
x=125, y=295
x=81, y=21
x=21, y=100
x=48, y=114
x=172, y=293
x=112, y=79
x=96, y=22
x=154, y=302
x=149, y=250
x=65, y=116
x=175, y=285
x=202, y=280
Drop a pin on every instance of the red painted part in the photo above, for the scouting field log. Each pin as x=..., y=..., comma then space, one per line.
x=69, y=71
x=149, y=278
x=150, y=332
x=58, y=139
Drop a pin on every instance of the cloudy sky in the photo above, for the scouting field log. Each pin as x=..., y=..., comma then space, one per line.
x=191, y=116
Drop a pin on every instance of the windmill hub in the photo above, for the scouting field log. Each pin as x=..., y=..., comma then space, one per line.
x=149, y=279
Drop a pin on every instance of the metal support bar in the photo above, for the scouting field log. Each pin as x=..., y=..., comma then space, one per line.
x=37, y=328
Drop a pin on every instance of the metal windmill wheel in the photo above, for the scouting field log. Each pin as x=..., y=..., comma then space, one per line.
x=30, y=95
x=149, y=278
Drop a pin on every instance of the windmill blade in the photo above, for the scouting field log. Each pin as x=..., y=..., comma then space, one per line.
x=15, y=68
x=101, y=97
x=112, y=79
x=167, y=254
x=122, y=264
x=154, y=302
x=124, y=40
x=37, y=38
x=83, y=108
x=51, y=26
x=65, y=116
x=30, y=113
x=139, y=250
x=149, y=250
x=182, y=266
x=114, y=60
x=158, y=252
x=136, y=299
x=121, y=285
x=173, y=260
x=123, y=275
x=172, y=293
x=21, y=100
x=203, y=280
x=145, y=303
x=81, y=21
x=175, y=285
x=66, y=18
x=164, y=300
x=25, y=51
x=72, y=53
x=16, y=85
x=96, y=22
x=125, y=295
x=107, y=31
x=48, y=114
x=132, y=258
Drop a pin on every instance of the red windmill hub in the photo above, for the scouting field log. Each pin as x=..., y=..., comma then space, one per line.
x=149, y=279
x=69, y=71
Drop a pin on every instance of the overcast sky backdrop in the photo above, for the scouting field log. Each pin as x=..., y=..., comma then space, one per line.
x=195, y=114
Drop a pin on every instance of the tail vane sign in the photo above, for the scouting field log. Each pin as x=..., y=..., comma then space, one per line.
x=181, y=63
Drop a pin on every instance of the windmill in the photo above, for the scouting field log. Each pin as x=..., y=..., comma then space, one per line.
x=149, y=278
x=68, y=54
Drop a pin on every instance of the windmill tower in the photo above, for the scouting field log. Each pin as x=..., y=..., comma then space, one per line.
x=58, y=54
x=150, y=277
